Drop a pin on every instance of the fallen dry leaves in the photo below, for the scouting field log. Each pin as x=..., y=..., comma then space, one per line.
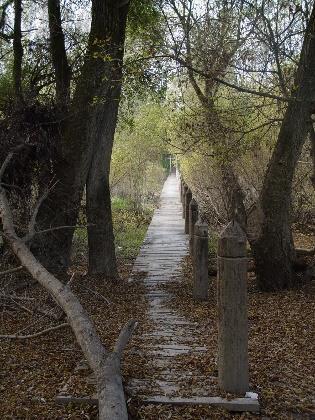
x=34, y=371
x=281, y=346
x=281, y=350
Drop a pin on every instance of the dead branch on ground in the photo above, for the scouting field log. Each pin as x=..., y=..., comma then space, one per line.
x=105, y=364
x=38, y=334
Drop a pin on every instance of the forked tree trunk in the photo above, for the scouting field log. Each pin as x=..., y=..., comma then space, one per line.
x=274, y=249
x=84, y=133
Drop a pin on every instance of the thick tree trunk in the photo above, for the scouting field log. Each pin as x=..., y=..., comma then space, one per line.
x=84, y=132
x=102, y=257
x=58, y=54
x=18, y=52
x=274, y=249
x=61, y=208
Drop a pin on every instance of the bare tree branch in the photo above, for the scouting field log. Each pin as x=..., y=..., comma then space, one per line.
x=243, y=89
x=38, y=334
x=32, y=223
x=11, y=270
x=105, y=364
x=124, y=337
x=8, y=159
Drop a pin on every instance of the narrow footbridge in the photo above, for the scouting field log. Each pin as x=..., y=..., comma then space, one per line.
x=172, y=339
x=171, y=334
x=171, y=343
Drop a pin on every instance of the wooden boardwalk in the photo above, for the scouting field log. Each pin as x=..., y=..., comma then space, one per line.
x=172, y=343
x=171, y=334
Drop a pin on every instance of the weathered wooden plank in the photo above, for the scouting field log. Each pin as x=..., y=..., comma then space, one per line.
x=237, y=404
x=172, y=335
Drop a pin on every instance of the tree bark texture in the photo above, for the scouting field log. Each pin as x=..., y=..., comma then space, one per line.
x=274, y=249
x=17, y=52
x=87, y=134
x=102, y=257
x=58, y=54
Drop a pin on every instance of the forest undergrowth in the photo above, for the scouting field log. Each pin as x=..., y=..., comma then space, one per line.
x=36, y=369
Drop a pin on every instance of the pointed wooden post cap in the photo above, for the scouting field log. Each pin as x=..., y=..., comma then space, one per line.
x=201, y=229
x=232, y=241
x=193, y=204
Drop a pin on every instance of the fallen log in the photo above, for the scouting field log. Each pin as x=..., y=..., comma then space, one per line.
x=104, y=364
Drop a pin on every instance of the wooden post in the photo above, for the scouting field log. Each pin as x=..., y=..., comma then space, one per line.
x=193, y=217
x=188, y=198
x=185, y=188
x=232, y=310
x=200, y=261
x=181, y=190
x=178, y=176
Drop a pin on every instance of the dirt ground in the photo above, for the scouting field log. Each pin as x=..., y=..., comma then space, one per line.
x=33, y=371
x=281, y=348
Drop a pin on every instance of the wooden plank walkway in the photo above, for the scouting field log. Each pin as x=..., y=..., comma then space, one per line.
x=171, y=334
x=173, y=340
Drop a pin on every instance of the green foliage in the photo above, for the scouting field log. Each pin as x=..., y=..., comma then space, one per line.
x=6, y=88
x=130, y=227
x=136, y=168
x=143, y=19
x=145, y=39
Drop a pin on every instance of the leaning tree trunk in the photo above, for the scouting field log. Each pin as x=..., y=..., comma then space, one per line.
x=105, y=364
x=82, y=132
x=274, y=249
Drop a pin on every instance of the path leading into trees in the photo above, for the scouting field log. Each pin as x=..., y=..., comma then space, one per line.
x=171, y=345
x=172, y=341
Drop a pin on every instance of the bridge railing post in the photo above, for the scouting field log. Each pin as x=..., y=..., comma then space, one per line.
x=232, y=310
x=188, y=198
x=184, y=191
x=181, y=190
x=200, y=261
x=193, y=217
